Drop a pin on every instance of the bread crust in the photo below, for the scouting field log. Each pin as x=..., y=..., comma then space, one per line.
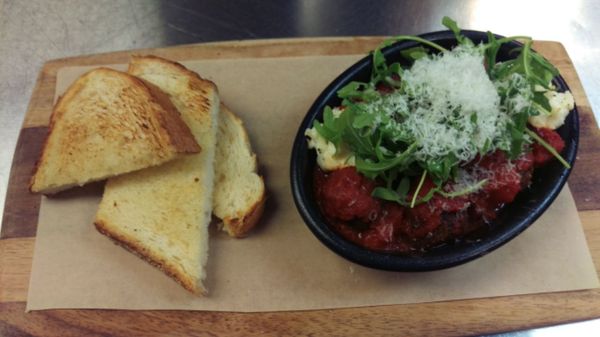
x=177, y=68
x=37, y=164
x=163, y=265
x=239, y=227
x=179, y=133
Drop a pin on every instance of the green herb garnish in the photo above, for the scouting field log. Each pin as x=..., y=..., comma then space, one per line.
x=391, y=144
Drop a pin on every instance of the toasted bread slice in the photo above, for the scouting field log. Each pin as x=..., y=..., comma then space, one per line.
x=239, y=194
x=163, y=213
x=108, y=123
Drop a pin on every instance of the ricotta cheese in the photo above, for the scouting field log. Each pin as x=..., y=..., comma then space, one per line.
x=328, y=158
x=561, y=103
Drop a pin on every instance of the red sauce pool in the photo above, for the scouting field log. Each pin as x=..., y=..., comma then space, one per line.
x=344, y=197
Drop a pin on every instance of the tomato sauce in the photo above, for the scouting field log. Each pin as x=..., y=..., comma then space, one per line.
x=344, y=197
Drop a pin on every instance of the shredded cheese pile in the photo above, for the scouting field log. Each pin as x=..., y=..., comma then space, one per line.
x=454, y=105
x=450, y=106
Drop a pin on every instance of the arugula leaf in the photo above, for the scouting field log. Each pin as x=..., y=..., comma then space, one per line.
x=517, y=129
x=540, y=61
x=403, y=187
x=440, y=170
x=486, y=147
x=542, y=102
x=394, y=76
x=380, y=68
x=415, y=53
x=386, y=194
x=363, y=120
x=491, y=52
x=329, y=129
x=453, y=26
x=351, y=90
x=398, y=195
x=351, y=136
x=369, y=166
x=328, y=117
x=324, y=131
x=412, y=38
x=390, y=177
x=358, y=91
x=535, y=68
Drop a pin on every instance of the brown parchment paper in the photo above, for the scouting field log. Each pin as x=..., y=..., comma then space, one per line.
x=282, y=266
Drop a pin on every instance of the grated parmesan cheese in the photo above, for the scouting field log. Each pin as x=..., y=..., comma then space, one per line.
x=454, y=106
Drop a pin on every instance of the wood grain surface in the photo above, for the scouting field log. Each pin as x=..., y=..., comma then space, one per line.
x=464, y=317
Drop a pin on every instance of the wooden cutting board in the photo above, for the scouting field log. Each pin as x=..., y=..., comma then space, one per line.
x=462, y=317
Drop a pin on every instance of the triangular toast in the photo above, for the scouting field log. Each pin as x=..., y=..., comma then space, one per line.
x=108, y=123
x=163, y=213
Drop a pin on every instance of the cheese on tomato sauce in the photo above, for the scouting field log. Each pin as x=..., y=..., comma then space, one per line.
x=448, y=105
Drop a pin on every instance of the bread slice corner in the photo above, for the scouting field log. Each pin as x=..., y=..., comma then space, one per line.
x=174, y=271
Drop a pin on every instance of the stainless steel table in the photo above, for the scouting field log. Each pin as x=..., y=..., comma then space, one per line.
x=32, y=32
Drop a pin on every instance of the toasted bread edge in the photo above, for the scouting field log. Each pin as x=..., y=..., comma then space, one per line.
x=52, y=120
x=189, y=284
x=240, y=227
x=169, y=63
x=179, y=133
